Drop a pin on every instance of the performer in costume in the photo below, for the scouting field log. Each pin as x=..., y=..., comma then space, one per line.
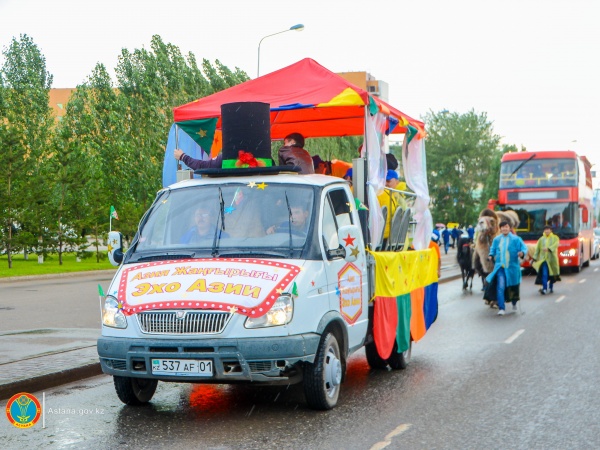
x=546, y=261
x=505, y=279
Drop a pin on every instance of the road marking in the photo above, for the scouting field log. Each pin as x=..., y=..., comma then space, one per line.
x=511, y=339
x=582, y=281
x=560, y=299
x=388, y=439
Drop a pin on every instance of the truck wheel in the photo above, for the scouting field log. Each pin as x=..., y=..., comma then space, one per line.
x=375, y=361
x=323, y=377
x=135, y=391
x=399, y=361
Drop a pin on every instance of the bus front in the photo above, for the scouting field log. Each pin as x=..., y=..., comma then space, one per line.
x=549, y=188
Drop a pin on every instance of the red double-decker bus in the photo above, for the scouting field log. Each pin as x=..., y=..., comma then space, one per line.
x=551, y=188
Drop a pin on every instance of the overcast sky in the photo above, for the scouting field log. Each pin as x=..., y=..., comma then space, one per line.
x=532, y=65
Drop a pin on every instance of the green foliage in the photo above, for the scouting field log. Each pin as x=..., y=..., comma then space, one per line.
x=462, y=151
x=26, y=128
x=59, y=179
x=492, y=181
x=22, y=267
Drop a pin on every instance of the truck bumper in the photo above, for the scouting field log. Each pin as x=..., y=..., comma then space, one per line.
x=264, y=360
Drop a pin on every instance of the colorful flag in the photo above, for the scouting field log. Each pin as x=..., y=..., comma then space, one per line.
x=202, y=131
x=406, y=301
x=113, y=213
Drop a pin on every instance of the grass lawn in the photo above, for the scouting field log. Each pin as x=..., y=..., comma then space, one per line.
x=20, y=267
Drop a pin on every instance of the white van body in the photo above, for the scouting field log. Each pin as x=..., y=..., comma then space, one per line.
x=277, y=291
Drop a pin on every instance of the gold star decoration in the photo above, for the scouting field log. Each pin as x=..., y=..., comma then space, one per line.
x=355, y=252
x=261, y=186
x=109, y=247
x=279, y=291
x=233, y=309
x=251, y=184
x=202, y=133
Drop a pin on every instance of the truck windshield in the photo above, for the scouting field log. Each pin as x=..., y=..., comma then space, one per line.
x=562, y=217
x=228, y=219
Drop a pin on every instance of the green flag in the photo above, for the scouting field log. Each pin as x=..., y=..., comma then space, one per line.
x=113, y=213
x=202, y=131
x=100, y=291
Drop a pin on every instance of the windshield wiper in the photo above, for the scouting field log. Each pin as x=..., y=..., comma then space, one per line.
x=253, y=253
x=160, y=256
x=522, y=164
x=220, y=227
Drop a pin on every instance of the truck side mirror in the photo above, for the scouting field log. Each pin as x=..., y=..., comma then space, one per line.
x=350, y=238
x=115, y=248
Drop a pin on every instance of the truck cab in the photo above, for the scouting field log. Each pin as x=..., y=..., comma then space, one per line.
x=253, y=278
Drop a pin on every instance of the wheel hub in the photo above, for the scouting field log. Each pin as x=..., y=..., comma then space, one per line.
x=333, y=375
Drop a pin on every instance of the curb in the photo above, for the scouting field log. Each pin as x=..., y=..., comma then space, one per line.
x=49, y=380
x=449, y=278
x=58, y=275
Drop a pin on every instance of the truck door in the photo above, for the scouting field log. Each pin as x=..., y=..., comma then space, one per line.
x=347, y=282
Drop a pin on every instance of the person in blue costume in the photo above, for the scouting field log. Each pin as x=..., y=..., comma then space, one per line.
x=446, y=237
x=505, y=280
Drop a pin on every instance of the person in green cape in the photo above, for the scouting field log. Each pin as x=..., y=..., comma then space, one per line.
x=546, y=261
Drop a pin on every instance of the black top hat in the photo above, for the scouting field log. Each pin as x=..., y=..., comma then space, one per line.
x=246, y=130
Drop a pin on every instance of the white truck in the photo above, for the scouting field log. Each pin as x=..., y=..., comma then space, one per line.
x=277, y=291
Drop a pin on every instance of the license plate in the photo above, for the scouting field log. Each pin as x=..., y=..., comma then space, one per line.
x=183, y=367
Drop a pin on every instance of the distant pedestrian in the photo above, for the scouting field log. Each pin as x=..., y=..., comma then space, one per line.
x=546, y=261
x=455, y=233
x=471, y=232
x=446, y=238
x=505, y=280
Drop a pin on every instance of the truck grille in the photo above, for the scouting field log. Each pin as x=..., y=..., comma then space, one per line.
x=193, y=322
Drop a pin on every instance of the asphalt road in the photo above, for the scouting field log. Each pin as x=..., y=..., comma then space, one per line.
x=476, y=380
x=64, y=302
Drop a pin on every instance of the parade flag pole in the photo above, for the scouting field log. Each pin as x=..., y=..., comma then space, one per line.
x=101, y=296
x=113, y=213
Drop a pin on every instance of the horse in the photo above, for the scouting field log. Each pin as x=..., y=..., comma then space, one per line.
x=465, y=261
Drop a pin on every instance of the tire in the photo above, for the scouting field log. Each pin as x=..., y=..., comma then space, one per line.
x=587, y=263
x=134, y=391
x=322, y=378
x=580, y=266
x=399, y=361
x=375, y=361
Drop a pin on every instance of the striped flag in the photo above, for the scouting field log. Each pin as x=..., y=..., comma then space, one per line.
x=406, y=301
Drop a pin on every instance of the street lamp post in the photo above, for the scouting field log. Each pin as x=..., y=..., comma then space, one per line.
x=298, y=27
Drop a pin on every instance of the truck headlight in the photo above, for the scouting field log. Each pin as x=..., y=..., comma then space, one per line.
x=570, y=252
x=112, y=316
x=280, y=314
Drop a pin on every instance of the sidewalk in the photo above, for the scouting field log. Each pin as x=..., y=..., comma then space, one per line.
x=34, y=360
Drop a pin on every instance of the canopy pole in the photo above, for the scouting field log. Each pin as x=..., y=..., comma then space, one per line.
x=177, y=145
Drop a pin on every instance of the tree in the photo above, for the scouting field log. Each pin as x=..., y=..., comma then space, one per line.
x=26, y=125
x=460, y=151
x=492, y=181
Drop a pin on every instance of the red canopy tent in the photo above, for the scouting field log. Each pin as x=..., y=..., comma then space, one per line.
x=305, y=97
